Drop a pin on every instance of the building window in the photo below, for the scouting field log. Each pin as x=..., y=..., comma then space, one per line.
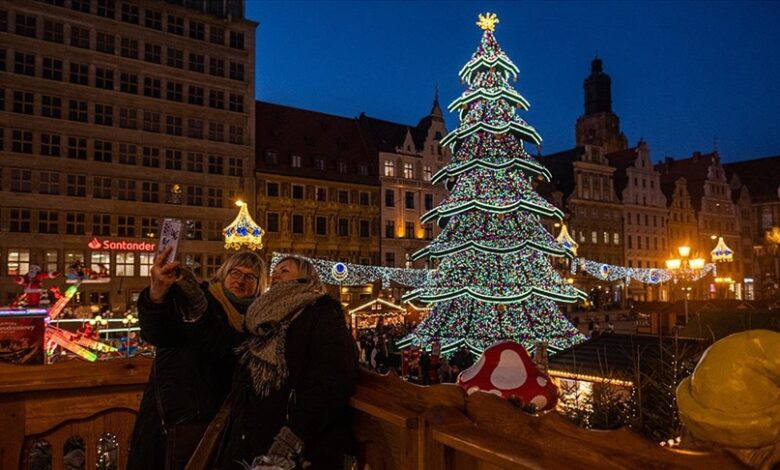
x=195, y=128
x=152, y=87
x=195, y=95
x=24, y=64
x=197, y=62
x=20, y=220
x=364, y=198
x=126, y=190
x=175, y=58
x=151, y=157
x=194, y=230
x=343, y=196
x=23, y=102
x=176, y=25
x=174, y=91
x=103, y=151
x=363, y=169
x=297, y=191
x=606, y=238
x=389, y=198
x=429, y=231
x=197, y=30
x=18, y=263
x=216, y=164
x=235, y=166
x=213, y=262
x=74, y=223
x=321, y=225
x=153, y=19
x=129, y=48
x=295, y=161
x=594, y=237
x=77, y=148
x=173, y=125
x=101, y=187
x=427, y=173
x=389, y=168
x=390, y=229
x=272, y=189
x=125, y=264
x=236, y=135
x=80, y=5
x=125, y=225
x=26, y=25
x=21, y=180
x=129, y=13
x=79, y=37
x=194, y=195
x=49, y=182
x=365, y=229
x=145, y=263
x=297, y=224
x=236, y=40
x=390, y=259
x=195, y=162
x=236, y=103
x=343, y=168
x=50, y=145
x=215, y=197
x=216, y=131
x=151, y=121
x=237, y=71
x=172, y=159
x=409, y=200
x=53, y=31
x=319, y=163
x=104, y=78
x=428, y=202
x=408, y=171
x=51, y=258
x=150, y=191
x=127, y=154
x=217, y=99
x=104, y=115
x=79, y=74
x=128, y=83
x=100, y=261
x=216, y=67
x=217, y=35
x=343, y=227
x=409, y=230
x=106, y=43
x=272, y=222
x=77, y=111
x=128, y=118
x=21, y=141
x=52, y=69
x=101, y=225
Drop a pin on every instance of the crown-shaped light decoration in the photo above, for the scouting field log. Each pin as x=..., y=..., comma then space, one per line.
x=722, y=252
x=243, y=231
x=567, y=241
x=488, y=21
x=773, y=235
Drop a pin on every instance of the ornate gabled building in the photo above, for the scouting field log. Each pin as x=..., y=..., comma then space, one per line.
x=683, y=227
x=317, y=185
x=113, y=116
x=760, y=177
x=645, y=215
x=716, y=214
x=594, y=221
x=599, y=125
x=408, y=158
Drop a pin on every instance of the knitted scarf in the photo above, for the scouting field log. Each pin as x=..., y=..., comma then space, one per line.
x=267, y=321
x=232, y=305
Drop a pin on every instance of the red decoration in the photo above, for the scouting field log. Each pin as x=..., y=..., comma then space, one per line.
x=33, y=284
x=505, y=369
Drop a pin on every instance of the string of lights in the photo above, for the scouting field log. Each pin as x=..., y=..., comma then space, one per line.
x=611, y=272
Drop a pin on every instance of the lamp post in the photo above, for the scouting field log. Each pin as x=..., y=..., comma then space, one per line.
x=685, y=270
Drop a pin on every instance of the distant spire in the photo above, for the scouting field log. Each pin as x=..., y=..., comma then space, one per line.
x=598, y=89
x=436, y=110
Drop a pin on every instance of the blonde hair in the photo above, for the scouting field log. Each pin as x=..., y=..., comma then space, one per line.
x=306, y=271
x=244, y=259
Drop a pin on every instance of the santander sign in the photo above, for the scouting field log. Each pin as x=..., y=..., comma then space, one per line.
x=121, y=245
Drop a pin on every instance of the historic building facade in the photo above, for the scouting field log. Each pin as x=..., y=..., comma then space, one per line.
x=113, y=116
x=408, y=158
x=716, y=213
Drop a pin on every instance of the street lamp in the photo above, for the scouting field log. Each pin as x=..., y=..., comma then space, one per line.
x=686, y=270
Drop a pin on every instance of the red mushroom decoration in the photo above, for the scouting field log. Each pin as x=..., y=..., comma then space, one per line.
x=505, y=369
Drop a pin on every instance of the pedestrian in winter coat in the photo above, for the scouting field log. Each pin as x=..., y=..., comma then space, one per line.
x=296, y=373
x=188, y=384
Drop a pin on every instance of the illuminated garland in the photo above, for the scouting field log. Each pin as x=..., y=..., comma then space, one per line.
x=347, y=274
x=611, y=272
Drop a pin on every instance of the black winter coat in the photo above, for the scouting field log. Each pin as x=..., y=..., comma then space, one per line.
x=322, y=362
x=192, y=383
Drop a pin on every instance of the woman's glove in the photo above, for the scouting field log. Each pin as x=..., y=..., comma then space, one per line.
x=283, y=454
x=194, y=295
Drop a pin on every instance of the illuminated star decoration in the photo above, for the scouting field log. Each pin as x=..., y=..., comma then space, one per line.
x=243, y=231
x=488, y=21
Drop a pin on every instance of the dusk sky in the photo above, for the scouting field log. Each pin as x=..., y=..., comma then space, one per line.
x=683, y=73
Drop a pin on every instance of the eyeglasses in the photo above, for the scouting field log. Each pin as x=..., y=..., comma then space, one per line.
x=235, y=274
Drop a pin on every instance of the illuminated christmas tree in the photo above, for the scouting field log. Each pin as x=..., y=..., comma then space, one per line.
x=494, y=280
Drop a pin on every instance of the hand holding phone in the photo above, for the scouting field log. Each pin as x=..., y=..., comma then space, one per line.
x=169, y=237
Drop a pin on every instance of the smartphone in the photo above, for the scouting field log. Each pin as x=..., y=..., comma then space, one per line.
x=170, y=233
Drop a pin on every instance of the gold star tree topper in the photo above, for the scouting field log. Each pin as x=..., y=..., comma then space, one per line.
x=488, y=21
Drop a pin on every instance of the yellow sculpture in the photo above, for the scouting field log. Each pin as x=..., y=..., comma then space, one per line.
x=732, y=399
x=488, y=21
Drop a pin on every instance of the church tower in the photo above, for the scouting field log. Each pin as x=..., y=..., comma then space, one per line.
x=599, y=125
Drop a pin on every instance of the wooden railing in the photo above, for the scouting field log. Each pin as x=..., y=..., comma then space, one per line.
x=397, y=425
